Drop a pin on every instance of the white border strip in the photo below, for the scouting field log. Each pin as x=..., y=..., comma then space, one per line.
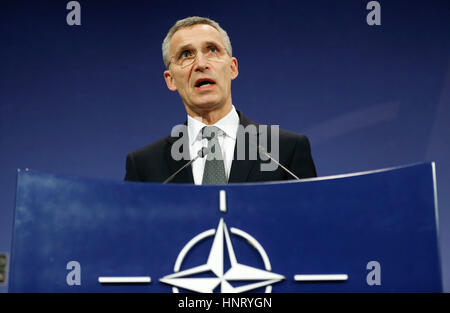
x=125, y=280
x=223, y=201
x=328, y=277
x=436, y=210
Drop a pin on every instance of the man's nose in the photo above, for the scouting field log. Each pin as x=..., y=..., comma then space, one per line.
x=201, y=62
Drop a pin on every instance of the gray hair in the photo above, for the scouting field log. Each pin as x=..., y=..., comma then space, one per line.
x=191, y=21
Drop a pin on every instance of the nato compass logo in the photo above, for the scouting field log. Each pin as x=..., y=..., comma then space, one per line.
x=255, y=277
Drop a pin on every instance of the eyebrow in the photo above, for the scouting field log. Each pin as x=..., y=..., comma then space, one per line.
x=182, y=48
x=207, y=43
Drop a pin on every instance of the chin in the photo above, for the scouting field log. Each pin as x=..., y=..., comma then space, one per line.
x=208, y=105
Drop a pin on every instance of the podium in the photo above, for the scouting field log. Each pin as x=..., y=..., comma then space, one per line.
x=365, y=232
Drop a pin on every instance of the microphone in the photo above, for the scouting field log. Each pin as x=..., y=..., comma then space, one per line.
x=200, y=154
x=262, y=150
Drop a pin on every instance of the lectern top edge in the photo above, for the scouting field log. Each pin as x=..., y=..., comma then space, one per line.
x=20, y=171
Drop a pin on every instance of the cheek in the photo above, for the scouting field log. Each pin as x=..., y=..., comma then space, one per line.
x=226, y=78
x=227, y=81
x=182, y=83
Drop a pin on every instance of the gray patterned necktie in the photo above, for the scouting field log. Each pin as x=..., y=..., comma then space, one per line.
x=214, y=172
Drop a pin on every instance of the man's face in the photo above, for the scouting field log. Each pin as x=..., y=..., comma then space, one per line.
x=204, y=85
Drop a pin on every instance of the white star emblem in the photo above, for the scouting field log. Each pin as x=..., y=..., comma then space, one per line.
x=215, y=263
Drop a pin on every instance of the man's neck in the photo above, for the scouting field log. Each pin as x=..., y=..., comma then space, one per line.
x=211, y=117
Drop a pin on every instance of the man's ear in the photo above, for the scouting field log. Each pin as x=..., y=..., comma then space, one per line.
x=234, y=68
x=169, y=80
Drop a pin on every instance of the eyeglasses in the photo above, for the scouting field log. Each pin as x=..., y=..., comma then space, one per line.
x=188, y=56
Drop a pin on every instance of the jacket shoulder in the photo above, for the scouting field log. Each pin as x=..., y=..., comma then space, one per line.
x=147, y=163
x=151, y=150
x=290, y=135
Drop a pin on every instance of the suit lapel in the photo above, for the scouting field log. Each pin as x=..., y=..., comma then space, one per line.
x=185, y=176
x=240, y=169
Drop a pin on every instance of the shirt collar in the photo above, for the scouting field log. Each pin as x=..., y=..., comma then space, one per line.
x=228, y=124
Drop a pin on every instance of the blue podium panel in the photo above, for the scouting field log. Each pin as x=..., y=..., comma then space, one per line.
x=374, y=232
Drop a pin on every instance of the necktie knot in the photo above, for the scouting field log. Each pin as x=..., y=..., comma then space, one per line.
x=211, y=132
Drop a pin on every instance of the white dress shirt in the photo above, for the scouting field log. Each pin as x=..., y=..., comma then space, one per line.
x=229, y=125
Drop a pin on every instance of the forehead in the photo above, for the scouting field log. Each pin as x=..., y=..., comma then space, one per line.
x=195, y=35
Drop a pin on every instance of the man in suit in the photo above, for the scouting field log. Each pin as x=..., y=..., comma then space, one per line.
x=197, y=53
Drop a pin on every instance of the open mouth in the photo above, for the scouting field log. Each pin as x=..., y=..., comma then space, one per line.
x=204, y=82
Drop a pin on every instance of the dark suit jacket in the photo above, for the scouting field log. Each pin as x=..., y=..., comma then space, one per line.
x=154, y=163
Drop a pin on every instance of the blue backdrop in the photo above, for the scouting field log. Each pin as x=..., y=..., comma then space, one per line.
x=75, y=99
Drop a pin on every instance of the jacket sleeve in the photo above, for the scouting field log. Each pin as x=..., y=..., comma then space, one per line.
x=302, y=163
x=131, y=170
